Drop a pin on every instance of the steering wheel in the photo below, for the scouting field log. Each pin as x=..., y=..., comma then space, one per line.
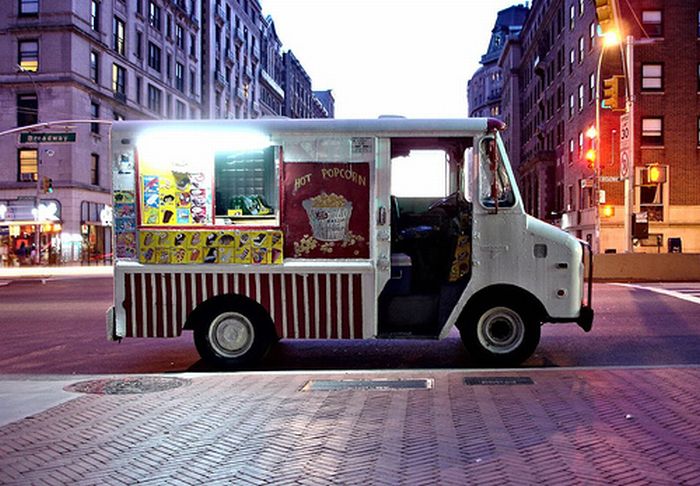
x=453, y=202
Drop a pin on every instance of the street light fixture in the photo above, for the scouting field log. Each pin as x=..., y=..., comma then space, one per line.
x=610, y=38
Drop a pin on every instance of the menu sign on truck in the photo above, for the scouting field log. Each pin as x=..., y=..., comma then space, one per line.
x=326, y=210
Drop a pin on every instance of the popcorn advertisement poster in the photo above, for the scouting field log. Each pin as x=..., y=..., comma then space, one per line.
x=326, y=208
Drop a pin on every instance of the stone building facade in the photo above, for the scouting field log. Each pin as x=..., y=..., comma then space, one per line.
x=111, y=60
x=550, y=77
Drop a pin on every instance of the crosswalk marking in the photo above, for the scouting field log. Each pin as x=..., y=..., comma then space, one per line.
x=689, y=294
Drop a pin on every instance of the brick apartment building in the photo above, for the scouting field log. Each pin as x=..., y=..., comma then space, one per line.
x=548, y=98
x=114, y=60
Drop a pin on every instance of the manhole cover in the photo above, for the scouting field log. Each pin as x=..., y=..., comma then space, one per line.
x=127, y=386
x=332, y=385
x=499, y=380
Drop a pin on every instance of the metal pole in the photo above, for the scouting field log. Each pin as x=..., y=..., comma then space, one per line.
x=37, y=201
x=37, y=195
x=596, y=148
x=629, y=182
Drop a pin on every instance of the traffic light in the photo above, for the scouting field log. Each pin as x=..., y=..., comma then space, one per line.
x=590, y=157
x=46, y=185
x=605, y=14
x=612, y=93
x=608, y=211
x=653, y=174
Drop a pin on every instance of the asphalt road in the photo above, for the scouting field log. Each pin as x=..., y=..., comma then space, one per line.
x=58, y=327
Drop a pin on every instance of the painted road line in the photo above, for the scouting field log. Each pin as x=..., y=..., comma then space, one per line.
x=659, y=290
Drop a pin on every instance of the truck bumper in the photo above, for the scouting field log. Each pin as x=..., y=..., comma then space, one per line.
x=585, y=318
x=111, y=325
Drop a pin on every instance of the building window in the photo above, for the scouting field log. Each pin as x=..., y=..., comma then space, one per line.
x=27, y=109
x=118, y=35
x=180, y=110
x=581, y=49
x=193, y=83
x=193, y=45
x=154, y=99
x=154, y=56
x=169, y=66
x=571, y=151
x=94, y=169
x=571, y=106
x=94, y=66
x=28, y=7
x=652, y=131
x=572, y=60
x=580, y=97
x=580, y=7
x=95, y=114
x=652, y=77
x=118, y=79
x=179, y=37
x=698, y=23
x=139, y=45
x=652, y=23
x=651, y=200
x=116, y=116
x=139, y=7
x=591, y=87
x=179, y=77
x=95, y=15
x=139, y=89
x=28, y=55
x=591, y=36
x=572, y=17
x=154, y=15
x=28, y=163
x=169, y=26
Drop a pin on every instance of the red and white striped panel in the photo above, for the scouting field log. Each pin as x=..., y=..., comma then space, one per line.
x=310, y=305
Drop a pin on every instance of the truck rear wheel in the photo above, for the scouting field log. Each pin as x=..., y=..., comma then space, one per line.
x=500, y=334
x=233, y=334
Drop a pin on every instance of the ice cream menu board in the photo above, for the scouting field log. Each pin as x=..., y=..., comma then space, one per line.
x=326, y=210
x=174, y=195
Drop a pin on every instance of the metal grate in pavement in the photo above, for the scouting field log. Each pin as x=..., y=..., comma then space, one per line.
x=498, y=380
x=127, y=386
x=373, y=384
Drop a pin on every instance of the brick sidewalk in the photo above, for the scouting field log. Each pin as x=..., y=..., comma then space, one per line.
x=614, y=426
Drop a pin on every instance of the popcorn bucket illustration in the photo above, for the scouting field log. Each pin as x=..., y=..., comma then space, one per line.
x=329, y=215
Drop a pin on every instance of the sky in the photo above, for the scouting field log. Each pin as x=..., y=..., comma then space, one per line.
x=389, y=57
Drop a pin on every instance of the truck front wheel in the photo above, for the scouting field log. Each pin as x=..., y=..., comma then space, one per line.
x=233, y=335
x=500, y=334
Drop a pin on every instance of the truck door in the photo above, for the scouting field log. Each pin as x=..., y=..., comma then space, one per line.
x=382, y=216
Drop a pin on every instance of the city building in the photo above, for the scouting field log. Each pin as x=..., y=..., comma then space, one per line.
x=94, y=59
x=567, y=147
x=271, y=71
x=485, y=86
x=327, y=104
x=298, y=96
x=108, y=60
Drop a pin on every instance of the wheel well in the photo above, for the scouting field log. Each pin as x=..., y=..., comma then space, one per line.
x=199, y=314
x=495, y=293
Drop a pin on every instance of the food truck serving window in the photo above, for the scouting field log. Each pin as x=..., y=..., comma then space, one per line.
x=246, y=184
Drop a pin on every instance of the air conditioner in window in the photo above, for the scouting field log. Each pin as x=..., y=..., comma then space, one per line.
x=26, y=177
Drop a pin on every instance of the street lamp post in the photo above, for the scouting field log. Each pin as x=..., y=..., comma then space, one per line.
x=37, y=195
x=610, y=39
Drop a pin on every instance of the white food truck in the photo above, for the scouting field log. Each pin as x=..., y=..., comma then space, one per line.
x=250, y=231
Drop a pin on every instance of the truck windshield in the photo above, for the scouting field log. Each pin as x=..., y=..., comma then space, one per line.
x=496, y=189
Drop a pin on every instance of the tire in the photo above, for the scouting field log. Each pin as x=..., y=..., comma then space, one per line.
x=234, y=334
x=497, y=334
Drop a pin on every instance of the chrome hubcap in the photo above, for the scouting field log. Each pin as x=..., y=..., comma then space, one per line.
x=500, y=330
x=231, y=334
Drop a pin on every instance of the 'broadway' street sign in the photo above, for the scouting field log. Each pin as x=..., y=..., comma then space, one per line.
x=46, y=137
